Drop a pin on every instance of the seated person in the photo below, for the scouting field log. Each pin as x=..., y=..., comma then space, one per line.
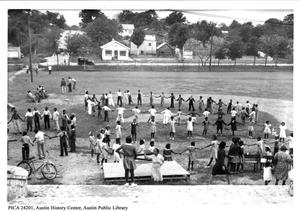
x=31, y=96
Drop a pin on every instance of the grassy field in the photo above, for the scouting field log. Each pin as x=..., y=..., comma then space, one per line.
x=80, y=169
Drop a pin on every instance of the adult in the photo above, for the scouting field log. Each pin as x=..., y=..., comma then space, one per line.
x=129, y=152
x=120, y=115
x=40, y=140
x=55, y=117
x=191, y=101
x=63, y=85
x=180, y=99
x=220, y=168
x=139, y=98
x=15, y=119
x=201, y=104
x=119, y=98
x=282, y=162
x=26, y=140
x=63, y=136
x=36, y=118
x=64, y=119
x=172, y=98
x=69, y=84
x=106, y=109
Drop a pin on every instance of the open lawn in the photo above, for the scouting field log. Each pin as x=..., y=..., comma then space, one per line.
x=261, y=88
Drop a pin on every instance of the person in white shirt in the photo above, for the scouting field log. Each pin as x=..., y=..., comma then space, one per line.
x=40, y=140
x=91, y=104
x=238, y=107
x=267, y=129
x=119, y=98
x=267, y=175
x=136, y=112
x=282, y=133
x=47, y=116
x=106, y=109
x=118, y=130
x=55, y=117
x=157, y=161
x=29, y=118
x=247, y=106
x=167, y=116
x=125, y=97
x=252, y=116
x=86, y=97
x=74, y=83
x=233, y=113
x=120, y=115
x=152, y=112
x=110, y=99
x=206, y=113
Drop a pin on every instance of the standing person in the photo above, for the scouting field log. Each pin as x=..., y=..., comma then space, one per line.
x=64, y=120
x=90, y=107
x=172, y=98
x=110, y=99
x=209, y=104
x=220, y=122
x=29, y=117
x=260, y=150
x=220, y=104
x=167, y=152
x=157, y=161
x=167, y=116
x=118, y=130
x=63, y=141
x=252, y=115
x=116, y=146
x=244, y=115
x=201, y=104
x=125, y=97
x=74, y=83
x=139, y=98
x=73, y=139
x=267, y=129
x=162, y=99
x=130, y=98
x=69, y=84
x=256, y=112
x=152, y=127
x=120, y=115
x=282, y=133
x=134, y=124
x=92, y=143
x=180, y=99
x=136, y=112
x=151, y=99
x=102, y=99
x=152, y=112
x=55, y=117
x=119, y=98
x=36, y=118
x=233, y=124
x=290, y=141
x=229, y=107
x=282, y=162
x=205, y=124
x=47, y=116
x=191, y=103
x=107, y=135
x=179, y=114
x=172, y=128
x=86, y=97
x=267, y=175
x=98, y=147
x=15, y=119
x=49, y=69
x=240, y=166
x=213, y=150
x=99, y=108
x=206, y=113
x=129, y=153
x=233, y=113
x=248, y=106
x=63, y=85
x=238, y=107
x=40, y=140
x=189, y=127
x=191, y=155
x=234, y=154
x=106, y=109
x=25, y=140
x=220, y=168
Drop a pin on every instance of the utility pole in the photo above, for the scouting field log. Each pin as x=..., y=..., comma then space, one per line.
x=211, y=43
x=29, y=37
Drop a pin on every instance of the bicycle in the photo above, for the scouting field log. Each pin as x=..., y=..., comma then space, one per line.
x=46, y=167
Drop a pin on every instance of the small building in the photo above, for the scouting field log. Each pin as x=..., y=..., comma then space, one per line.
x=115, y=50
x=127, y=30
x=165, y=50
x=13, y=52
x=147, y=47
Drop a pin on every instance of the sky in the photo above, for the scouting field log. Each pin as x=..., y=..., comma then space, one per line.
x=217, y=16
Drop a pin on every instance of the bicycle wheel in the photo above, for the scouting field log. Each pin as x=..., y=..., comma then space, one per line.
x=49, y=171
x=25, y=165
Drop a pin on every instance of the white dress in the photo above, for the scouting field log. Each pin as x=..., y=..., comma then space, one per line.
x=189, y=126
x=118, y=131
x=157, y=162
x=282, y=133
x=120, y=114
x=90, y=107
x=267, y=174
x=172, y=126
x=267, y=129
x=110, y=100
x=167, y=116
x=116, y=155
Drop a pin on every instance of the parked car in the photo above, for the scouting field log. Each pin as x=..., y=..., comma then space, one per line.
x=86, y=61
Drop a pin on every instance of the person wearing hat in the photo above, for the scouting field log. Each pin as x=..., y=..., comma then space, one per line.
x=282, y=162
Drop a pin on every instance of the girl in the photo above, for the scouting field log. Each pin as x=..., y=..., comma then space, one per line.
x=206, y=113
x=152, y=127
x=252, y=116
x=192, y=154
x=118, y=130
x=205, y=125
x=120, y=115
x=106, y=99
x=251, y=129
x=179, y=99
x=179, y=114
x=220, y=122
x=119, y=98
x=191, y=103
x=152, y=112
x=167, y=152
x=213, y=150
x=29, y=117
x=93, y=143
x=201, y=104
x=151, y=147
x=47, y=116
x=244, y=114
x=139, y=98
x=267, y=175
x=167, y=115
x=189, y=127
x=110, y=99
x=107, y=135
x=102, y=99
x=136, y=112
x=233, y=124
x=234, y=154
x=240, y=166
x=151, y=99
x=134, y=124
x=105, y=152
x=116, y=154
x=267, y=130
x=90, y=106
x=282, y=134
x=172, y=128
x=157, y=162
x=55, y=117
x=125, y=96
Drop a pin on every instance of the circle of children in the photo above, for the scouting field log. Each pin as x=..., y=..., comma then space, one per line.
x=279, y=162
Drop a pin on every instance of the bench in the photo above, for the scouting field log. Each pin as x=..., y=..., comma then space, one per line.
x=256, y=160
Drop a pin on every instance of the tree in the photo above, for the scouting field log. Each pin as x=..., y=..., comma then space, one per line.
x=252, y=47
x=102, y=30
x=127, y=16
x=137, y=38
x=56, y=19
x=235, y=46
x=144, y=19
x=77, y=45
x=220, y=53
x=88, y=16
x=289, y=24
x=175, y=17
x=178, y=35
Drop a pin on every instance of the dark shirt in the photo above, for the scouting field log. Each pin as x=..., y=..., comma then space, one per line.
x=221, y=157
x=133, y=128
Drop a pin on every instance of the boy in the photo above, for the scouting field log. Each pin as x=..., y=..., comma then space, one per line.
x=40, y=138
x=55, y=117
x=134, y=124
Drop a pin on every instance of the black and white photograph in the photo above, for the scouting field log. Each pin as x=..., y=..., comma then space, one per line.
x=139, y=105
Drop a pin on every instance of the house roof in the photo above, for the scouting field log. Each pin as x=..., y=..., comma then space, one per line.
x=114, y=42
x=163, y=44
x=149, y=37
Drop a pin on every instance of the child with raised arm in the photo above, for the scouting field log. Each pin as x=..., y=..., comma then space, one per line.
x=167, y=152
x=233, y=124
x=191, y=155
x=152, y=112
x=172, y=98
x=205, y=124
x=220, y=122
x=162, y=99
x=180, y=99
x=157, y=162
x=179, y=114
x=191, y=101
x=213, y=150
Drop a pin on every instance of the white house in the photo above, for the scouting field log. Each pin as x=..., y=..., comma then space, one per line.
x=61, y=42
x=127, y=30
x=147, y=47
x=14, y=52
x=115, y=50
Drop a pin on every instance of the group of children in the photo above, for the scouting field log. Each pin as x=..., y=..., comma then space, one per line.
x=67, y=85
x=39, y=94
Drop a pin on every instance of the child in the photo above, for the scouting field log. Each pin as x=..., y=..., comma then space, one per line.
x=90, y=106
x=191, y=103
x=116, y=154
x=290, y=140
x=189, y=127
x=205, y=125
x=220, y=122
x=251, y=129
x=240, y=166
x=55, y=117
x=106, y=110
x=260, y=150
x=206, y=113
x=157, y=162
x=142, y=147
x=107, y=135
x=120, y=114
x=110, y=99
x=167, y=152
x=99, y=145
x=229, y=107
x=105, y=152
x=191, y=150
x=139, y=98
x=152, y=127
x=73, y=139
x=167, y=115
x=119, y=98
x=267, y=175
x=282, y=133
x=244, y=114
x=151, y=147
x=267, y=130
x=179, y=114
x=201, y=104
x=151, y=99
x=152, y=112
x=29, y=117
x=162, y=99
x=233, y=124
x=136, y=112
x=179, y=99
x=233, y=113
x=118, y=130
x=86, y=97
x=47, y=116
x=92, y=143
x=172, y=98
x=213, y=150
x=234, y=154
x=172, y=128
x=134, y=124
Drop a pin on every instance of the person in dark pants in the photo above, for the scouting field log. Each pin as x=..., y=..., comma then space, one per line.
x=119, y=99
x=47, y=117
x=172, y=98
x=29, y=117
x=26, y=140
x=191, y=103
x=229, y=107
x=133, y=130
x=106, y=110
x=139, y=98
x=69, y=84
x=73, y=139
x=129, y=152
x=63, y=137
